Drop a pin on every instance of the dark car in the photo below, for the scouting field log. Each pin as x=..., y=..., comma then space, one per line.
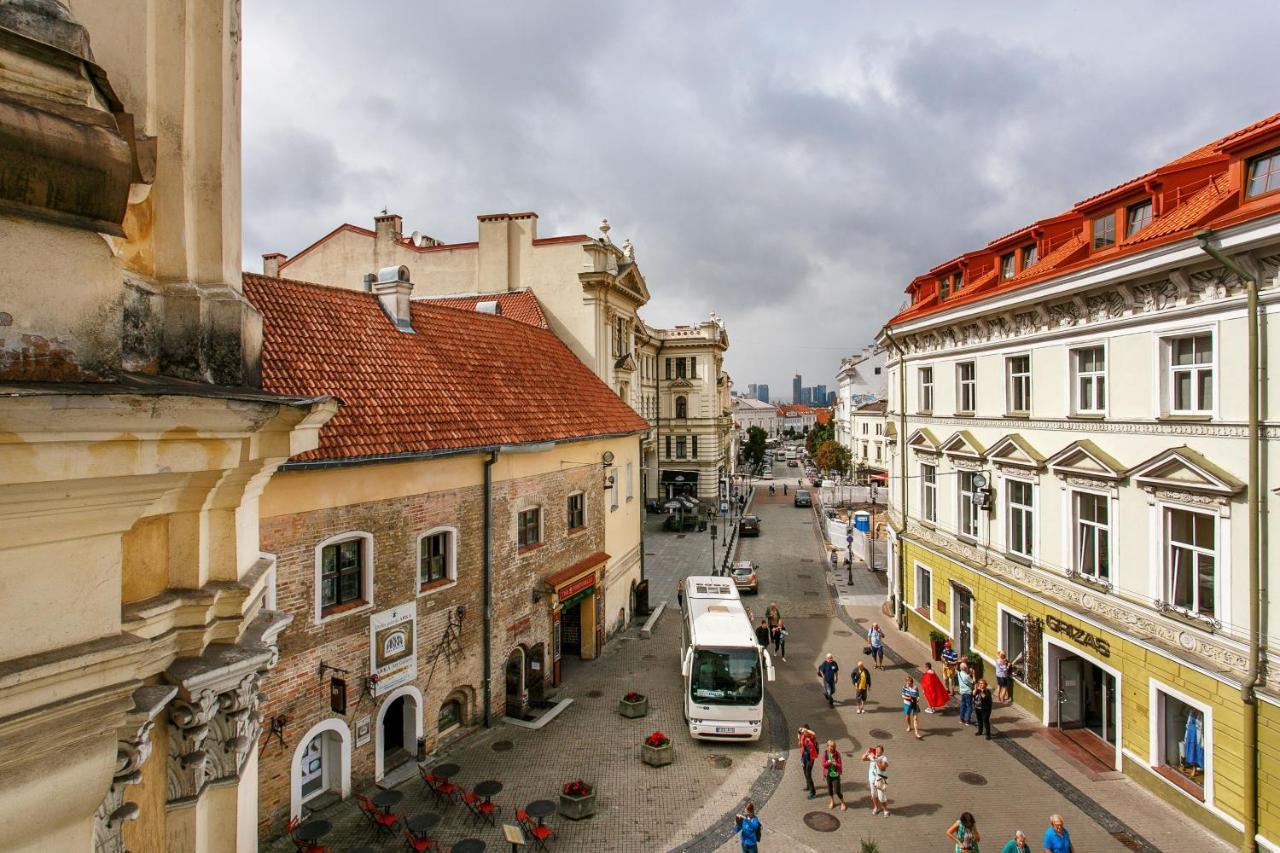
x=749, y=525
x=803, y=498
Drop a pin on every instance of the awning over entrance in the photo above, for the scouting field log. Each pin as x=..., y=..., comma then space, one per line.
x=680, y=477
x=560, y=579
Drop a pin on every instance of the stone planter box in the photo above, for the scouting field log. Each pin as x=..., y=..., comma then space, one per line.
x=577, y=808
x=638, y=708
x=657, y=756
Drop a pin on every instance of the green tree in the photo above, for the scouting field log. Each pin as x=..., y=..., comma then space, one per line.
x=832, y=456
x=756, y=438
x=819, y=434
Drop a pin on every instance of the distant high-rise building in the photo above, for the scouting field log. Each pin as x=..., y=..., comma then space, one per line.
x=831, y=398
x=806, y=395
x=751, y=390
x=795, y=388
x=819, y=395
x=762, y=393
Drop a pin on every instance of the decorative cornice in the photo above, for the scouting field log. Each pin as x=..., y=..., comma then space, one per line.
x=132, y=751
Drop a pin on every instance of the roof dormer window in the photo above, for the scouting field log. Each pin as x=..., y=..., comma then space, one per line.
x=1006, y=266
x=1030, y=254
x=1264, y=174
x=1104, y=231
x=1136, y=217
x=957, y=282
x=944, y=287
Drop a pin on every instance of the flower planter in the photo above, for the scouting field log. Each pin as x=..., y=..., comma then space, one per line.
x=577, y=808
x=638, y=708
x=657, y=756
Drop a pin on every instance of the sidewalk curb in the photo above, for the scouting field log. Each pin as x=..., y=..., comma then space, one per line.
x=646, y=632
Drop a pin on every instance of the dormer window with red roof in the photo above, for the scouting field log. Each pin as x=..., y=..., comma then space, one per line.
x=1006, y=266
x=957, y=282
x=1030, y=254
x=1264, y=174
x=944, y=287
x=1104, y=231
x=1137, y=217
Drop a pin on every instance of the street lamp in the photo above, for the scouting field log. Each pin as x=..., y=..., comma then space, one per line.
x=713, y=551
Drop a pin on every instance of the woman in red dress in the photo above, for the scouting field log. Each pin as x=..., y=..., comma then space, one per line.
x=935, y=692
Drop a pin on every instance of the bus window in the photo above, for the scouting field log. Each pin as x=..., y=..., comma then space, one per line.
x=726, y=677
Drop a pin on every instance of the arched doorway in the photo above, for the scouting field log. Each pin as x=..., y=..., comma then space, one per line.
x=634, y=600
x=321, y=765
x=515, y=682
x=399, y=727
x=535, y=674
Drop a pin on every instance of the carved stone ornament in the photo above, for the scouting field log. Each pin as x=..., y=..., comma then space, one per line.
x=234, y=729
x=132, y=751
x=1189, y=498
x=189, y=718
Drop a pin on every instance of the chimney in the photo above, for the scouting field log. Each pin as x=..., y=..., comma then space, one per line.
x=387, y=231
x=393, y=289
x=491, y=306
x=271, y=264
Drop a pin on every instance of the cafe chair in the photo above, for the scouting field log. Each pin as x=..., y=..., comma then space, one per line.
x=419, y=843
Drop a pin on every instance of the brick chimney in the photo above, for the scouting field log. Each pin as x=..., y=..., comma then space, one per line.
x=271, y=262
x=388, y=229
x=393, y=289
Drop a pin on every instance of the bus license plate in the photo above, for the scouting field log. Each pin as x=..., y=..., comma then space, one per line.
x=724, y=730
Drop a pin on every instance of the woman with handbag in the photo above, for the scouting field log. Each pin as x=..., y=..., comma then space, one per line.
x=964, y=833
x=832, y=767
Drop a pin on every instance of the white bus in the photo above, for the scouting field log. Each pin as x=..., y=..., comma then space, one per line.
x=724, y=668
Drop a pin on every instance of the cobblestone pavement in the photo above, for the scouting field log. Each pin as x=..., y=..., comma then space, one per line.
x=1013, y=782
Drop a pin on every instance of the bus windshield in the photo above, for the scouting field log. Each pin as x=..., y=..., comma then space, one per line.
x=726, y=677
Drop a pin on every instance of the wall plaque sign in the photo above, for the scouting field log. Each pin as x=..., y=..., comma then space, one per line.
x=392, y=647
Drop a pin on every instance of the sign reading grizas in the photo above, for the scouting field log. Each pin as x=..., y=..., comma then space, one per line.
x=392, y=648
x=1080, y=635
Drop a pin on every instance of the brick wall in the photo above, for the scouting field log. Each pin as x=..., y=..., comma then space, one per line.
x=294, y=688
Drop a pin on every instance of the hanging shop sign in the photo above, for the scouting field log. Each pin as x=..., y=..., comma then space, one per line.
x=571, y=593
x=338, y=696
x=1079, y=635
x=392, y=648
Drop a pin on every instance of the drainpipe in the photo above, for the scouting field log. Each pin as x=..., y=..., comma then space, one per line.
x=1248, y=696
x=900, y=590
x=486, y=645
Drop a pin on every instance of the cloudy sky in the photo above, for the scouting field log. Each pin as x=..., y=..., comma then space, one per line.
x=790, y=166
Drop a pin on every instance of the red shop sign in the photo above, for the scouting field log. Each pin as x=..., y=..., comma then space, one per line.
x=584, y=582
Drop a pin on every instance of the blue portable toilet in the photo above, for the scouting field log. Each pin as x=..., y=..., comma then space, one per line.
x=862, y=521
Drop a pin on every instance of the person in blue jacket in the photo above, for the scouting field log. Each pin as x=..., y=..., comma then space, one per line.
x=828, y=671
x=749, y=828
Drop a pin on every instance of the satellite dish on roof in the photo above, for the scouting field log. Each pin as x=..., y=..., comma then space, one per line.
x=416, y=238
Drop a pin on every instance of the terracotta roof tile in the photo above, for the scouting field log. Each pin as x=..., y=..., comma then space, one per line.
x=463, y=380
x=519, y=305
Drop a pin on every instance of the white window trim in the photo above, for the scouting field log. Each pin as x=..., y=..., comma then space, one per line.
x=1006, y=480
x=921, y=385
x=1072, y=374
x=542, y=526
x=1221, y=566
x=924, y=485
x=960, y=386
x=931, y=610
x=1163, y=370
x=1155, y=719
x=630, y=484
x=1008, y=383
x=409, y=691
x=1069, y=529
x=332, y=724
x=976, y=534
x=452, y=573
x=366, y=581
x=1002, y=641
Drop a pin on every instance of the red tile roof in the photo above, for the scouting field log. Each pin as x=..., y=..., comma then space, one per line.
x=463, y=380
x=798, y=408
x=519, y=305
x=821, y=416
x=1194, y=191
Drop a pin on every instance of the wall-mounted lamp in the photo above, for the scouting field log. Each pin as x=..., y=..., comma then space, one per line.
x=276, y=731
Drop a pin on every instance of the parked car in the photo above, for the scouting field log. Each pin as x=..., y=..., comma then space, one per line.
x=768, y=474
x=745, y=577
x=749, y=525
x=803, y=498
x=791, y=463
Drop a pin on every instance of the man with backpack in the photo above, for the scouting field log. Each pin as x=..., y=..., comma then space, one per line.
x=749, y=828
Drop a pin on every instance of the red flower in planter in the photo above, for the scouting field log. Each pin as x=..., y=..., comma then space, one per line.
x=632, y=696
x=577, y=788
x=657, y=740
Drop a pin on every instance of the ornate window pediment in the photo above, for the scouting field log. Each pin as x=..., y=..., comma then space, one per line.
x=1085, y=459
x=626, y=362
x=891, y=432
x=1014, y=451
x=679, y=384
x=963, y=445
x=1181, y=469
x=923, y=441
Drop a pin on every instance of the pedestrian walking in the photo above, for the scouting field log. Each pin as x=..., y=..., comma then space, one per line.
x=831, y=770
x=829, y=671
x=749, y=828
x=773, y=615
x=807, y=740
x=950, y=660
x=1004, y=681
x=982, y=702
x=680, y=593
x=964, y=685
x=964, y=834
x=861, y=679
x=771, y=491
x=872, y=755
x=762, y=634
x=911, y=705
x=878, y=777
x=1017, y=844
x=780, y=640
x=935, y=692
x=1056, y=838
x=784, y=489
x=875, y=639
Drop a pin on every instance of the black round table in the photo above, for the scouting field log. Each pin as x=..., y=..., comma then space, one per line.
x=541, y=809
x=468, y=845
x=421, y=824
x=386, y=799
x=446, y=771
x=313, y=830
x=361, y=850
x=488, y=788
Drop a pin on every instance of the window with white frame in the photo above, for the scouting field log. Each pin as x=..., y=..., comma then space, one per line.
x=342, y=573
x=926, y=389
x=1190, y=374
x=529, y=527
x=1091, y=514
x=436, y=557
x=1013, y=642
x=929, y=491
x=1089, y=366
x=1181, y=734
x=1021, y=517
x=924, y=589
x=1190, y=560
x=614, y=488
x=967, y=505
x=966, y=387
x=1018, y=374
x=630, y=486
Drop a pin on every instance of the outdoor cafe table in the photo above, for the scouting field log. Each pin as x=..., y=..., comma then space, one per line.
x=541, y=809
x=446, y=771
x=421, y=824
x=488, y=788
x=312, y=831
x=386, y=799
x=469, y=845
